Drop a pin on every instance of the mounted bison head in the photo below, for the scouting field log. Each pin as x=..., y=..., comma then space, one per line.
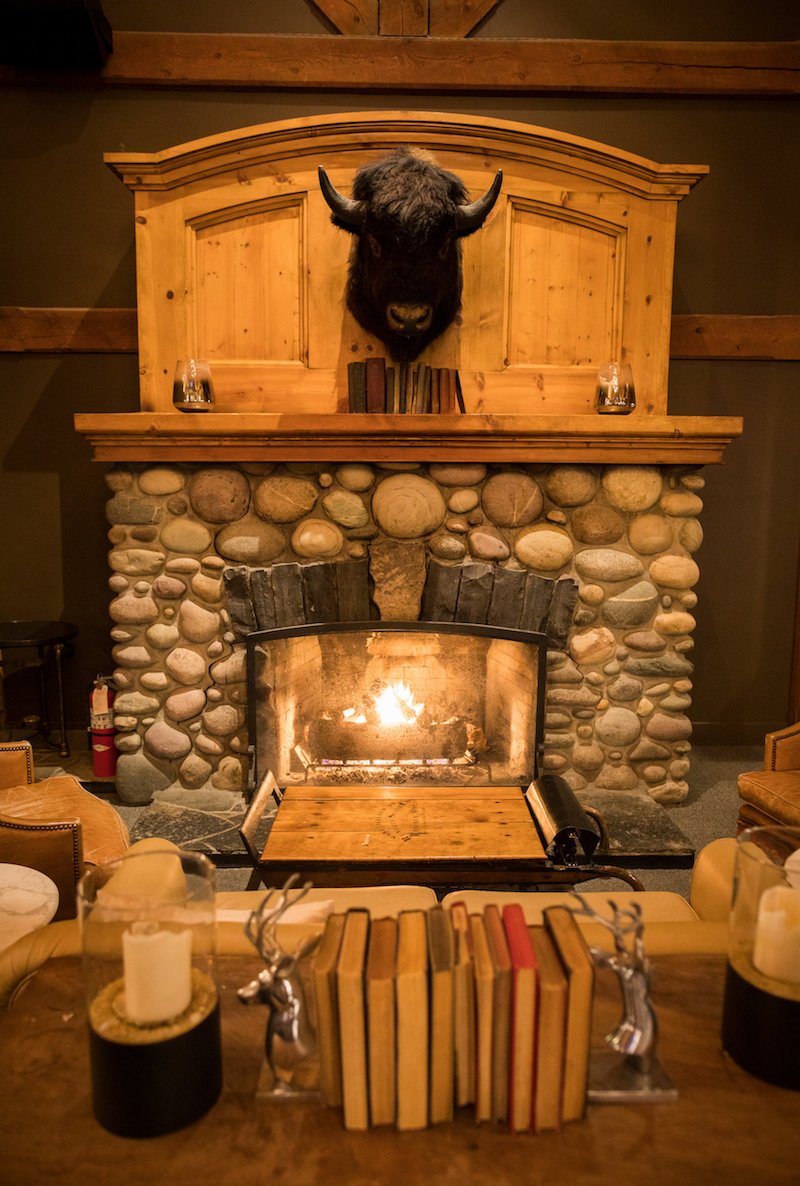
x=408, y=216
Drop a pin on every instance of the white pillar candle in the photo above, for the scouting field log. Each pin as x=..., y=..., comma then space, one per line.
x=776, y=951
x=157, y=967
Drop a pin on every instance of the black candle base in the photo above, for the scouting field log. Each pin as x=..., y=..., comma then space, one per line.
x=151, y=1089
x=761, y=1032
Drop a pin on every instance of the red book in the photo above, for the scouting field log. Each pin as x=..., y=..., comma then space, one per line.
x=376, y=384
x=523, y=1018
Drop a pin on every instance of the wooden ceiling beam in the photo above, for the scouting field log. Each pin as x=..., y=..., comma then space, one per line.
x=428, y=64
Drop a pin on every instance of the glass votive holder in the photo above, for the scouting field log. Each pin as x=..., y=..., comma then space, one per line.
x=192, y=389
x=761, y=1011
x=615, y=391
x=148, y=936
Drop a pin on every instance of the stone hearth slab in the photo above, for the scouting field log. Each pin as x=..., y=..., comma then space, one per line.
x=215, y=833
x=641, y=832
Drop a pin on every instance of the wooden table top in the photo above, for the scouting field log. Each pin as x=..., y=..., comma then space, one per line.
x=725, y=1127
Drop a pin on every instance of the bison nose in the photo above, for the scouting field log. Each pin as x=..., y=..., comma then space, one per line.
x=409, y=319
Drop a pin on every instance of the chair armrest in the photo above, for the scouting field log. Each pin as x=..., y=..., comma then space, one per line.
x=16, y=763
x=782, y=749
x=255, y=826
x=712, y=880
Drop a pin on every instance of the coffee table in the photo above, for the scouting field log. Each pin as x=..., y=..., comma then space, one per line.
x=725, y=1126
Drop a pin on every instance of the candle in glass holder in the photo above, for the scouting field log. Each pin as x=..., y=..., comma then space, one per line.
x=157, y=969
x=776, y=949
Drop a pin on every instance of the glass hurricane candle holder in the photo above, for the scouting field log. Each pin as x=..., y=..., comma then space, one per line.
x=148, y=938
x=761, y=1014
x=192, y=389
x=615, y=391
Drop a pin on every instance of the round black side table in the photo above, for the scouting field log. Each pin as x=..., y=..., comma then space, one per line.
x=44, y=638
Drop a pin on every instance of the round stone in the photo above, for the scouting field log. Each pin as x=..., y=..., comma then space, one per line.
x=407, y=506
x=232, y=669
x=219, y=495
x=132, y=610
x=355, y=477
x=675, y=572
x=592, y=646
x=208, y=745
x=136, y=561
x=618, y=727
x=587, y=758
x=650, y=533
x=165, y=742
x=315, y=538
x=197, y=624
x=135, y=704
x=229, y=775
x=183, y=564
x=185, y=666
x=284, y=499
x=345, y=508
x=447, y=547
x=681, y=504
x=207, y=588
x=119, y=479
x=668, y=728
x=591, y=594
x=160, y=479
x=137, y=779
x=485, y=544
x=625, y=688
x=543, y=548
x=690, y=535
x=670, y=792
x=632, y=487
x=154, y=681
x=648, y=641
x=457, y=473
x=250, y=541
x=607, y=564
x=186, y=535
x=177, y=504
x=169, y=587
x=616, y=778
x=194, y=771
x=222, y=720
x=570, y=485
x=133, y=509
x=144, y=535
x=182, y=706
x=512, y=499
x=463, y=501
x=675, y=622
x=597, y=525
x=162, y=636
x=128, y=743
x=458, y=525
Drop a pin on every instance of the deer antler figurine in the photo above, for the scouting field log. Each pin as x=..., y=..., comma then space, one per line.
x=290, y=1042
x=639, y=1074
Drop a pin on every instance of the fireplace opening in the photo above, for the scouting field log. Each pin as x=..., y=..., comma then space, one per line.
x=396, y=703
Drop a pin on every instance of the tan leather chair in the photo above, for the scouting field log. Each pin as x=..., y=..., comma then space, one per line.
x=54, y=848
x=772, y=795
x=60, y=798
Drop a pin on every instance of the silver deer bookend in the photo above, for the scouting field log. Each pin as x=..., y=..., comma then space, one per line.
x=629, y=1070
x=291, y=1043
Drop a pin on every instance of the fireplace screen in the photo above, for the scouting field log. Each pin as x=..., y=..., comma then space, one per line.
x=396, y=703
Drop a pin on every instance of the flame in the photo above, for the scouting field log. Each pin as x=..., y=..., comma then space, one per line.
x=397, y=706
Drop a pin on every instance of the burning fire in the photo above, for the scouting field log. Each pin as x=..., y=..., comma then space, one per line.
x=395, y=706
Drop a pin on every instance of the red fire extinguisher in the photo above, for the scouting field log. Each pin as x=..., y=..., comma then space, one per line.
x=101, y=725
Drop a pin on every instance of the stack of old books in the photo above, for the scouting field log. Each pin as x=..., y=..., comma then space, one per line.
x=372, y=386
x=443, y=1009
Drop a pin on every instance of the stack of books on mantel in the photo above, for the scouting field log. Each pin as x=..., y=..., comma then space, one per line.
x=443, y=1009
x=372, y=386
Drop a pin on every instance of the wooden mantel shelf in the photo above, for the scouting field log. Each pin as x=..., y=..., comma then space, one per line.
x=638, y=439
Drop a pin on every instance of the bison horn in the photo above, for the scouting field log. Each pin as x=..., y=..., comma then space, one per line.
x=347, y=210
x=473, y=214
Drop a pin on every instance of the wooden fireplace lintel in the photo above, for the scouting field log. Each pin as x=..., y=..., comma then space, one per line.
x=227, y=436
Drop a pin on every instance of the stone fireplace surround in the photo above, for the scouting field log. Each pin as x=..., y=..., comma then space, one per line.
x=618, y=694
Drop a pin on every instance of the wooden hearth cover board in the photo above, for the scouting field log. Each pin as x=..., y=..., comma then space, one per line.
x=238, y=262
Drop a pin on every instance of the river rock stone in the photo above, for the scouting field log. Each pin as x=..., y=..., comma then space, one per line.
x=651, y=533
x=512, y=499
x=398, y=570
x=407, y=506
x=194, y=771
x=131, y=610
x=625, y=688
x=135, y=704
x=232, y=669
x=154, y=681
x=169, y=587
x=607, y=564
x=162, y=636
x=597, y=525
x=197, y=624
x=222, y=720
x=675, y=572
x=462, y=501
x=355, y=477
x=165, y=742
x=544, y=548
x=591, y=594
x=675, y=622
x=647, y=750
x=138, y=778
x=209, y=745
x=668, y=728
x=134, y=656
x=161, y=479
x=570, y=485
x=669, y=792
x=648, y=641
x=129, y=508
x=456, y=473
x=127, y=743
x=632, y=487
x=587, y=758
x=285, y=499
x=186, y=535
x=660, y=665
x=182, y=706
x=119, y=479
x=447, y=547
x=575, y=698
x=315, y=538
x=592, y=646
x=485, y=544
x=681, y=504
x=183, y=564
x=207, y=588
x=177, y=504
x=250, y=541
x=144, y=535
x=618, y=726
x=219, y=495
x=690, y=535
x=616, y=778
x=345, y=508
x=185, y=666
x=633, y=607
x=136, y=561
x=229, y=775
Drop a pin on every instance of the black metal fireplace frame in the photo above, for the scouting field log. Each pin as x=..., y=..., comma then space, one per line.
x=474, y=630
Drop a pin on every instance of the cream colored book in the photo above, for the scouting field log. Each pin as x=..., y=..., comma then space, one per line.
x=353, y=1019
x=484, y=1011
x=441, y=954
x=550, y=1032
x=381, y=1023
x=464, y=1006
x=411, y=987
x=327, y=1003
x=577, y=962
x=501, y=1011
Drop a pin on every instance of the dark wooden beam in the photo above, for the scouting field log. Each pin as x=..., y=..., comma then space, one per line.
x=725, y=335
x=406, y=64
x=457, y=18
x=354, y=18
x=113, y=331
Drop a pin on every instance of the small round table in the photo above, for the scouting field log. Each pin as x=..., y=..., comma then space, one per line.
x=28, y=900
x=44, y=637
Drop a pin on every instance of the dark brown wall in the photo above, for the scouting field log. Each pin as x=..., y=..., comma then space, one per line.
x=68, y=240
